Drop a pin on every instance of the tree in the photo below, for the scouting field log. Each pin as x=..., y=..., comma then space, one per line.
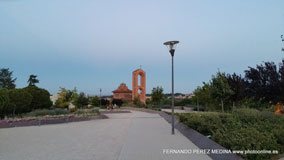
x=4, y=103
x=95, y=101
x=157, y=95
x=33, y=80
x=104, y=102
x=281, y=81
x=203, y=96
x=117, y=102
x=6, y=79
x=65, y=97
x=238, y=86
x=20, y=101
x=41, y=97
x=81, y=100
x=220, y=88
x=264, y=83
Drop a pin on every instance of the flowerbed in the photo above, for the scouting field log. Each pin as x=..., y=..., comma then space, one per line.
x=42, y=117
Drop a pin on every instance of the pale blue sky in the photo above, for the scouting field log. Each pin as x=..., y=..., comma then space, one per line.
x=95, y=44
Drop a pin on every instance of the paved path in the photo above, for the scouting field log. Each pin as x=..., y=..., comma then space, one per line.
x=125, y=136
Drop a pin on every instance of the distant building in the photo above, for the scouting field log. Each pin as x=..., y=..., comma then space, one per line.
x=123, y=93
x=138, y=88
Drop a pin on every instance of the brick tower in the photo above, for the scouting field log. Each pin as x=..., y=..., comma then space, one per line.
x=139, y=87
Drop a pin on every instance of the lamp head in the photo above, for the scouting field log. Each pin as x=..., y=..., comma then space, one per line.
x=171, y=46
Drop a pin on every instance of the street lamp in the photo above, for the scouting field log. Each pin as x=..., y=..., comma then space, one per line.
x=282, y=38
x=172, y=46
x=100, y=98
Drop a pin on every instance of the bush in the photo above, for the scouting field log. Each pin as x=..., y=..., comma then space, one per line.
x=4, y=103
x=20, y=101
x=247, y=115
x=243, y=129
x=81, y=101
x=44, y=112
x=66, y=97
x=207, y=123
x=247, y=139
x=183, y=102
x=200, y=108
x=117, y=102
x=40, y=97
x=104, y=102
x=95, y=101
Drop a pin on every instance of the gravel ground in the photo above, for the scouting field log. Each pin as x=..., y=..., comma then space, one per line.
x=135, y=135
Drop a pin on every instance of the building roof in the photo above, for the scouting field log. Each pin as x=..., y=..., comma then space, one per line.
x=122, y=89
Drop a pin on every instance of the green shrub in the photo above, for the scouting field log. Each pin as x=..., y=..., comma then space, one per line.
x=81, y=101
x=40, y=97
x=182, y=117
x=244, y=129
x=20, y=101
x=208, y=122
x=247, y=139
x=4, y=103
x=247, y=116
x=117, y=102
x=44, y=112
x=95, y=101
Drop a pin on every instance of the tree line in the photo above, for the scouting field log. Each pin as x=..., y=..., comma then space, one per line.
x=260, y=87
x=68, y=97
x=16, y=101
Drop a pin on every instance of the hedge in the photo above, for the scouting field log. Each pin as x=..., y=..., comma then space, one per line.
x=40, y=98
x=243, y=129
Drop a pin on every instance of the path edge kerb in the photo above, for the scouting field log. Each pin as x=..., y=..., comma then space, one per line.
x=195, y=137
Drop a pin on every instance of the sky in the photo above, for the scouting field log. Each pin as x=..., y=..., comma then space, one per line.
x=92, y=44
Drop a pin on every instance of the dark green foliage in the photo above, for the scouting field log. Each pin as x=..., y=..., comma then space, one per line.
x=244, y=129
x=157, y=95
x=94, y=101
x=81, y=100
x=40, y=98
x=32, y=80
x=183, y=102
x=20, y=101
x=104, y=102
x=261, y=87
x=264, y=82
x=238, y=86
x=166, y=102
x=6, y=79
x=221, y=90
x=117, y=102
x=4, y=102
x=248, y=139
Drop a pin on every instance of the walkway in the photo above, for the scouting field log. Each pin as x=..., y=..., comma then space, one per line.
x=125, y=136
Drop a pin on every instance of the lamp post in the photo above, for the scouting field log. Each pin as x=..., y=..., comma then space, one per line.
x=172, y=46
x=282, y=38
x=100, y=98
